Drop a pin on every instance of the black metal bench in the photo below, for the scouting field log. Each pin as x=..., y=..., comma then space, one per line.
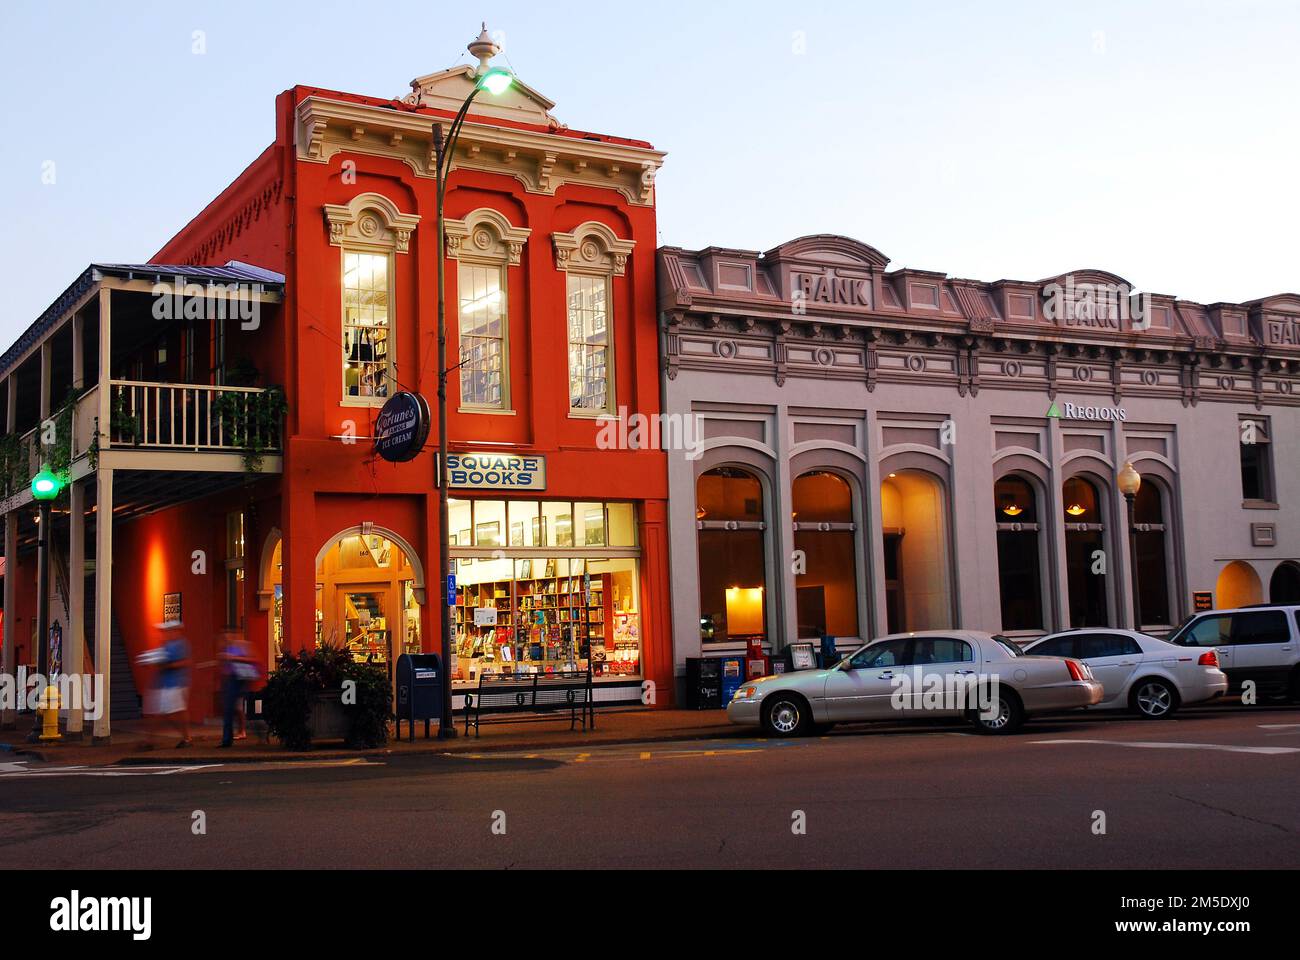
x=533, y=693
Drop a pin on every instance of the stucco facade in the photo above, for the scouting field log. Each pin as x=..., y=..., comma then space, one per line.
x=922, y=392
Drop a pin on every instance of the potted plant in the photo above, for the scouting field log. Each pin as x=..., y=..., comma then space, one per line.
x=323, y=694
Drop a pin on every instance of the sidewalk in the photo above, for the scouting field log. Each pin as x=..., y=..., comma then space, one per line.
x=134, y=743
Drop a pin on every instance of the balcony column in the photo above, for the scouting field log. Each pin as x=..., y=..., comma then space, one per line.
x=103, y=421
x=8, y=714
x=104, y=597
x=74, y=662
x=78, y=351
x=8, y=717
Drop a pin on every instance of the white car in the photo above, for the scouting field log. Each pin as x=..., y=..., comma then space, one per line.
x=1143, y=674
x=938, y=673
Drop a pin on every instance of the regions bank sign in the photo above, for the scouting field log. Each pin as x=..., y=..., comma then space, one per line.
x=1079, y=411
x=495, y=471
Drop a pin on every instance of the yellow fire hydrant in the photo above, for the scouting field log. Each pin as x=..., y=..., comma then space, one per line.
x=49, y=707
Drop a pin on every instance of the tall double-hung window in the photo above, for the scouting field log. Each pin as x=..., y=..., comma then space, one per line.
x=592, y=256
x=487, y=246
x=373, y=237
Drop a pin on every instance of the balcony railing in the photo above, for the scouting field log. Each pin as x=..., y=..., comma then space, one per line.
x=183, y=416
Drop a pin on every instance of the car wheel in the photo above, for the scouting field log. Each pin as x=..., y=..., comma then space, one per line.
x=1006, y=715
x=786, y=715
x=1293, y=687
x=1153, y=699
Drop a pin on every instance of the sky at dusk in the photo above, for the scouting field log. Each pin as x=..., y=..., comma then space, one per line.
x=1160, y=141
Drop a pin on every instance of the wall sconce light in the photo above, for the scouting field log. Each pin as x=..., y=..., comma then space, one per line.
x=1075, y=510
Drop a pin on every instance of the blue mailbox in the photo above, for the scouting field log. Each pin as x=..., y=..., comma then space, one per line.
x=419, y=690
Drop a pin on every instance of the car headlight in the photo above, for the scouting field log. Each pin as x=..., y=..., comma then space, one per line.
x=745, y=693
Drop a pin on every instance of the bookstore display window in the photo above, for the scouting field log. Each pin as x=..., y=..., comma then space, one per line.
x=545, y=587
x=365, y=601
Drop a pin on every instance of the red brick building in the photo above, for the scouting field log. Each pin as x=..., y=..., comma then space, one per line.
x=315, y=272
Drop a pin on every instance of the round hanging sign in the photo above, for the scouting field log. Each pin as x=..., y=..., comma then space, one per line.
x=402, y=427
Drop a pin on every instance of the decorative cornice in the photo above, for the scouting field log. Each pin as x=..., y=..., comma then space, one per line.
x=542, y=162
x=262, y=201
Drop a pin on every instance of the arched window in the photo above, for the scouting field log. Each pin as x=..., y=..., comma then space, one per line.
x=1238, y=586
x=914, y=530
x=1152, y=564
x=1020, y=580
x=1085, y=554
x=733, y=569
x=826, y=577
x=1284, y=585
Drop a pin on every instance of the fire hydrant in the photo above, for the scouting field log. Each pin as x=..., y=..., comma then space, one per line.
x=49, y=707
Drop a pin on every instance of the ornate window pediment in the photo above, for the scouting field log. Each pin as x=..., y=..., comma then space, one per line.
x=485, y=235
x=370, y=221
x=592, y=248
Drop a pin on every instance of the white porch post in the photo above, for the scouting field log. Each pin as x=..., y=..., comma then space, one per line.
x=75, y=662
x=104, y=595
x=104, y=526
x=9, y=715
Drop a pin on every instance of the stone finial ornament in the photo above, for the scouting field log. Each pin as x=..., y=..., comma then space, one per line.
x=483, y=49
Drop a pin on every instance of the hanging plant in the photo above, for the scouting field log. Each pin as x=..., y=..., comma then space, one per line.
x=124, y=423
x=251, y=422
x=12, y=465
x=58, y=455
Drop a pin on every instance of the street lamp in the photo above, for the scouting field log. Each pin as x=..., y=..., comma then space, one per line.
x=46, y=486
x=1130, y=482
x=496, y=82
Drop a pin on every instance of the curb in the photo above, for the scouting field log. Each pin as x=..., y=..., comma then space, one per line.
x=441, y=751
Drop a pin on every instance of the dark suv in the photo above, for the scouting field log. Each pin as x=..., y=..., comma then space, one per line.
x=1259, y=643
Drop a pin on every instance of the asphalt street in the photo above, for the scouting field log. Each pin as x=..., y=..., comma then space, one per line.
x=1215, y=787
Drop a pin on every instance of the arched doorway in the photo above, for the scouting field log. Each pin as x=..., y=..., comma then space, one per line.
x=369, y=590
x=1238, y=586
x=1020, y=559
x=826, y=571
x=1086, y=561
x=1284, y=585
x=1150, y=542
x=918, y=591
x=731, y=534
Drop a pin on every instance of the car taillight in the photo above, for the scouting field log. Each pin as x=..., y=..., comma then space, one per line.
x=1210, y=658
x=1077, y=670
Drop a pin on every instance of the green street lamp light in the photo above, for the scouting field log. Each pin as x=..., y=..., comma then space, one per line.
x=496, y=82
x=46, y=486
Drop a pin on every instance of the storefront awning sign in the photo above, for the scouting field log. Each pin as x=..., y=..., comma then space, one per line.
x=495, y=471
x=402, y=427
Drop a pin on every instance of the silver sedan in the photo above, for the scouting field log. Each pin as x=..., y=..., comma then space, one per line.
x=960, y=673
x=1143, y=674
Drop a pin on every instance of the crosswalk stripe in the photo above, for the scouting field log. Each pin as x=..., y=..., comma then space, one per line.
x=1168, y=745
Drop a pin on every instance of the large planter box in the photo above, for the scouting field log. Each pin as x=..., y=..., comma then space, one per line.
x=328, y=721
